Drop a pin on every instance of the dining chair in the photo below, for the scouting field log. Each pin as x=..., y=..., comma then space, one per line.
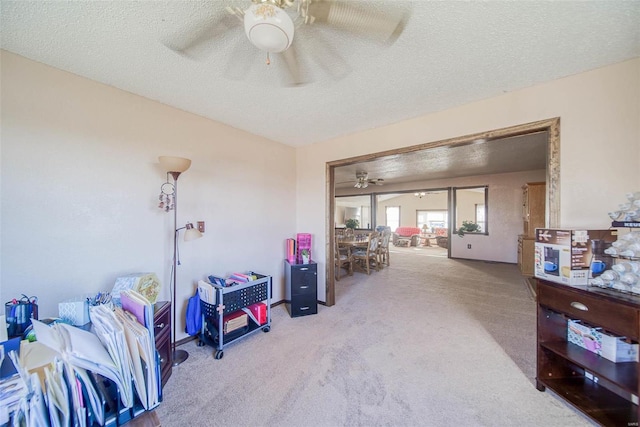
x=368, y=256
x=343, y=259
x=383, y=249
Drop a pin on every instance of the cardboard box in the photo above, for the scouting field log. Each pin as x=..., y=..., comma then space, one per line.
x=74, y=311
x=233, y=321
x=600, y=342
x=572, y=257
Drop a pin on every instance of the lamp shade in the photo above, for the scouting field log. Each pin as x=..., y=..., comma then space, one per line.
x=174, y=164
x=191, y=233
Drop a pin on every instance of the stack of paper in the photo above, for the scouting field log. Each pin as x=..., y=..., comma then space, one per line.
x=62, y=391
x=111, y=334
x=140, y=311
x=141, y=308
x=82, y=351
x=12, y=390
x=206, y=292
x=143, y=359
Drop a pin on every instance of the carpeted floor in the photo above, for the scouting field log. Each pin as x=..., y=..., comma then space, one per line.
x=427, y=342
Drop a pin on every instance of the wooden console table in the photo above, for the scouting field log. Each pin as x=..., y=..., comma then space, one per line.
x=603, y=390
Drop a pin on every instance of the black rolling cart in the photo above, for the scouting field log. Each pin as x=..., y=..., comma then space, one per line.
x=228, y=300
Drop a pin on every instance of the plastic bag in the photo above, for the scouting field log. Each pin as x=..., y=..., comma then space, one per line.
x=193, y=316
x=19, y=314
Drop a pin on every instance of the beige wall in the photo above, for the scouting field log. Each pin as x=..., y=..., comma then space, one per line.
x=600, y=143
x=80, y=186
x=80, y=177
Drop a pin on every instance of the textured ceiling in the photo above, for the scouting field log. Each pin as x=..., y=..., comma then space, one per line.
x=514, y=154
x=449, y=54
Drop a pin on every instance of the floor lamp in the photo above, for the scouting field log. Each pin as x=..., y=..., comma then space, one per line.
x=169, y=201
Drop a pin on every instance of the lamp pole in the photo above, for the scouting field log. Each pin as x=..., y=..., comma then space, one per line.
x=174, y=166
x=178, y=356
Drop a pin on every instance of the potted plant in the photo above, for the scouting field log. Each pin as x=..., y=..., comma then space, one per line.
x=305, y=256
x=468, y=227
x=352, y=223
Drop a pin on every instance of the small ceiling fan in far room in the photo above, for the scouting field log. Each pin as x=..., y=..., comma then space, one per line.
x=363, y=181
x=270, y=26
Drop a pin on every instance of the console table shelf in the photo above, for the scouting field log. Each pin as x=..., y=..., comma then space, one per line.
x=597, y=402
x=603, y=390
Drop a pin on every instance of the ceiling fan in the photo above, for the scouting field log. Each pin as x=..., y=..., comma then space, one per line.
x=270, y=25
x=363, y=181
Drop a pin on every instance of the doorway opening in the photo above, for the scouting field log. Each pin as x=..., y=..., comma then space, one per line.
x=551, y=128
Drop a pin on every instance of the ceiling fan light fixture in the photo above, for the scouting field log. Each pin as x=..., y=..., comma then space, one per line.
x=268, y=27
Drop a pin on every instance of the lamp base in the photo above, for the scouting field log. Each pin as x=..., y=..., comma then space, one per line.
x=179, y=356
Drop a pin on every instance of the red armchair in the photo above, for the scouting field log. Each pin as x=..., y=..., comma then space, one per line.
x=406, y=236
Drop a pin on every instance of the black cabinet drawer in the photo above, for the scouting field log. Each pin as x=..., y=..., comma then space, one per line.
x=303, y=305
x=304, y=288
x=304, y=275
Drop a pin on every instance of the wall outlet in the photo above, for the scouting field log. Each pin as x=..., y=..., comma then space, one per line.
x=201, y=226
x=469, y=246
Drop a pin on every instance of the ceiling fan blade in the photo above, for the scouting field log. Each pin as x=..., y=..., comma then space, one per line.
x=192, y=41
x=242, y=60
x=363, y=19
x=293, y=66
x=324, y=55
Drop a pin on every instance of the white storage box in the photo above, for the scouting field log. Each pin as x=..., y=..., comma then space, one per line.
x=74, y=311
x=600, y=342
x=616, y=349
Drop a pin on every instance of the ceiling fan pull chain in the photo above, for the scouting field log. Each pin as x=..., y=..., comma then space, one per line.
x=268, y=59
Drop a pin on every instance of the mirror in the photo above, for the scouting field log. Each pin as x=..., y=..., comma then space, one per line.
x=353, y=207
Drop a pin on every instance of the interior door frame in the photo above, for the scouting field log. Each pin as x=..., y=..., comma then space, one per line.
x=552, y=209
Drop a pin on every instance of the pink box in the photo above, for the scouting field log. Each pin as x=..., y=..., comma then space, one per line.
x=259, y=310
x=303, y=241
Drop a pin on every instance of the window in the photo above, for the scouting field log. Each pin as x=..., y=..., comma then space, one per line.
x=432, y=219
x=392, y=217
x=470, y=205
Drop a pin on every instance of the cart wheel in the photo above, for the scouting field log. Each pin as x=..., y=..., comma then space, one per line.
x=266, y=329
x=201, y=343
x=219, y=354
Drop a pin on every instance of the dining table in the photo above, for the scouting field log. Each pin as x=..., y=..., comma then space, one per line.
x=352, y=242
